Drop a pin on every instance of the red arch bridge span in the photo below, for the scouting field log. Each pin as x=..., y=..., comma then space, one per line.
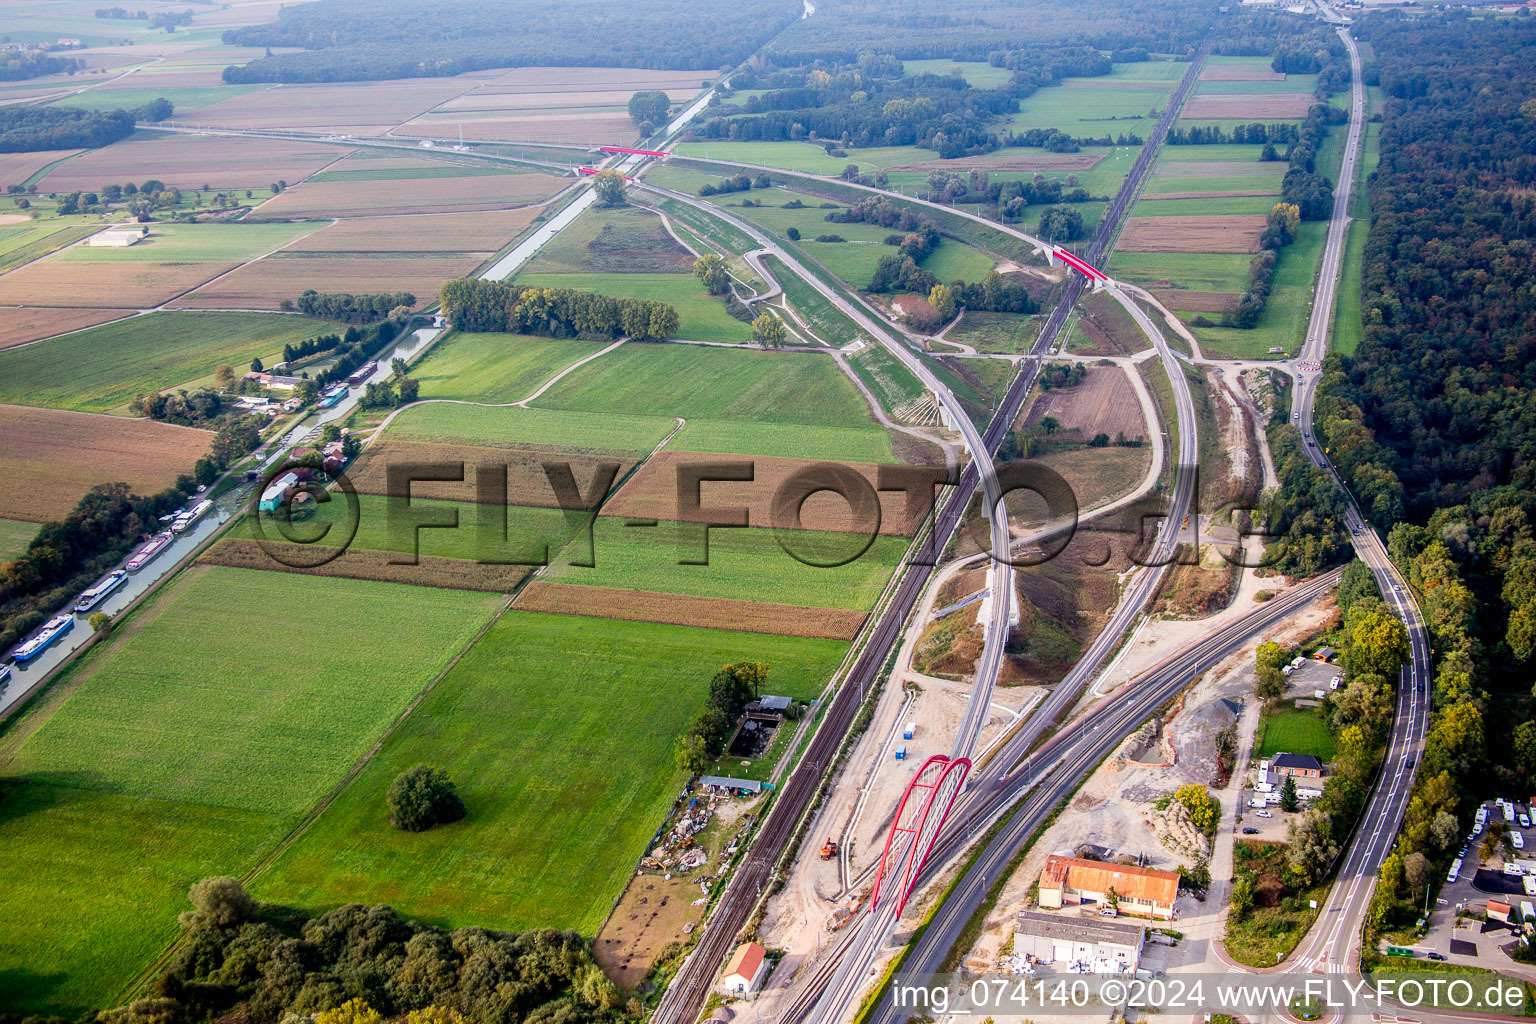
x=1080, y=265
x=916, y=828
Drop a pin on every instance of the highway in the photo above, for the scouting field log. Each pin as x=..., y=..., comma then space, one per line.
x=1333, y=944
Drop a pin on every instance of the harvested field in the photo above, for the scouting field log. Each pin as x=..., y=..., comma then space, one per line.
x=1221, y=74
x=408, y=195
x=364, y=564
x=193, y=161
x=683, y=610
x=438, y=232
x=527, y=482
x=1239, y=194
x=16, y=168
x=1220, y=169
x=1247, y=106
x=1104, y=403
x=265, y=283
x=580, y=127
x=1011, y=160
x=19, y=326
x=49, y=458
x=1236, y=233
x=341, y=105
x=104, y=285
x=652, y=494
x=1198, y=302
x=565, y=99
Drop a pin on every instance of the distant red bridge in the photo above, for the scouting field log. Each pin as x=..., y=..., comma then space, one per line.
x=1081, y=266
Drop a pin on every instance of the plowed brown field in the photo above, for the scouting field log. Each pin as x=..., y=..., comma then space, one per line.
x=1237, y=233
x=435, y=232
x=265, y=283
x=1247, y=106
x=192, y=161
x=677, y=609
x=19, y=326
x=445, y=573
x=408, y=195
x=527, y=482
x=104, y=285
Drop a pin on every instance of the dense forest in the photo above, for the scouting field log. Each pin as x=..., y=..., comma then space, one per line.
x=1433, y=418
x=32, y=129
x=360, y=40
x=475, y=304
x=974, y=29
x=260, y=963
x=24, y=64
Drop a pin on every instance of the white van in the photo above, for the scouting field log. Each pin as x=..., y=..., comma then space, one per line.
x=1455, y=871
x=1517, y=840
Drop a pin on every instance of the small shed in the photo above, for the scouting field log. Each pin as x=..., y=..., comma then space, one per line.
x=745, y=971
x=779, y=704
x=1325, y=654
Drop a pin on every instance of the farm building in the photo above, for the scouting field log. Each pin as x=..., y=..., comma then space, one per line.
x=745, y=971
x=1325, y=654
x=116, y=238
x=1146, y=892
x=1302, y=766
x=1105, y=946
x=277, y=491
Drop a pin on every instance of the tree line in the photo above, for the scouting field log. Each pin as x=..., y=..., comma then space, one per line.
x=358, y=40
x=475, y=304
x=24, y=64
x=354, y=309
x=26, y=129
x=358, y=965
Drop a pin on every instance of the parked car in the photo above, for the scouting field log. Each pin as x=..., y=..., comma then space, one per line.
x=1435, y=956
x=1525, y=820
x=1264, y=814
x=1250, y=831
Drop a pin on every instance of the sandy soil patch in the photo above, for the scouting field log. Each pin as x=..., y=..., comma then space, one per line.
x=265, y=283
x=49, y=458
x=407, y=195
x=1237, y=233
x=1212, y=195
x=16, y=168
x=652, y=494
x=1198, y=302
x=527, y=482
x=1245, y=107
x=356, y=564
x=104, y=285
x=192, y=162
x=683, y=610
x=1012, y=160
x=21, y=325
x=1223, y=74
x=1104, y=403
x=436, y=232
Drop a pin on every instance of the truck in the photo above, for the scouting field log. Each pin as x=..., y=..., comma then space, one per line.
x=99, y=592
x=146, y=554
x=40, y=641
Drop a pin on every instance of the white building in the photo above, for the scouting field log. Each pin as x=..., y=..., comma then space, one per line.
x=1101, y=945
x=745, y=971
x=116, y=238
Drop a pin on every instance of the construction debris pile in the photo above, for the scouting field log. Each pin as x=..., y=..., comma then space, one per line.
x=1174, y=829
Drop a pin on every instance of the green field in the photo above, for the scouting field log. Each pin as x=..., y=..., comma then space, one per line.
x=197, y=243
x=1294, y=731
x=185, y=706
x=830, y=324
x=1090, y=112
x=98, y=369
x=730, y=397
x=1284, y=320
x=1006, y=333
x=1290, y=84
x=184, y=747
x=625, y=239
x=527, y=525
x=892, y=383
x=495, y=367
x=14, y=537
x=183, y=98
x=702, y=315
x=1151, y=206
x=578, y=431
x=744, y=565
x=1198, y=271
x=1348, y=325
x=559, y=732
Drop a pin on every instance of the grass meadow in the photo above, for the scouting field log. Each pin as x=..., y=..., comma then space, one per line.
x=197, y=243
x=607, y=432
x=558, y=731
x=496, y=368
x=15, y=535
x=212, y=721
x=98, y=369
x=1294, y=731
